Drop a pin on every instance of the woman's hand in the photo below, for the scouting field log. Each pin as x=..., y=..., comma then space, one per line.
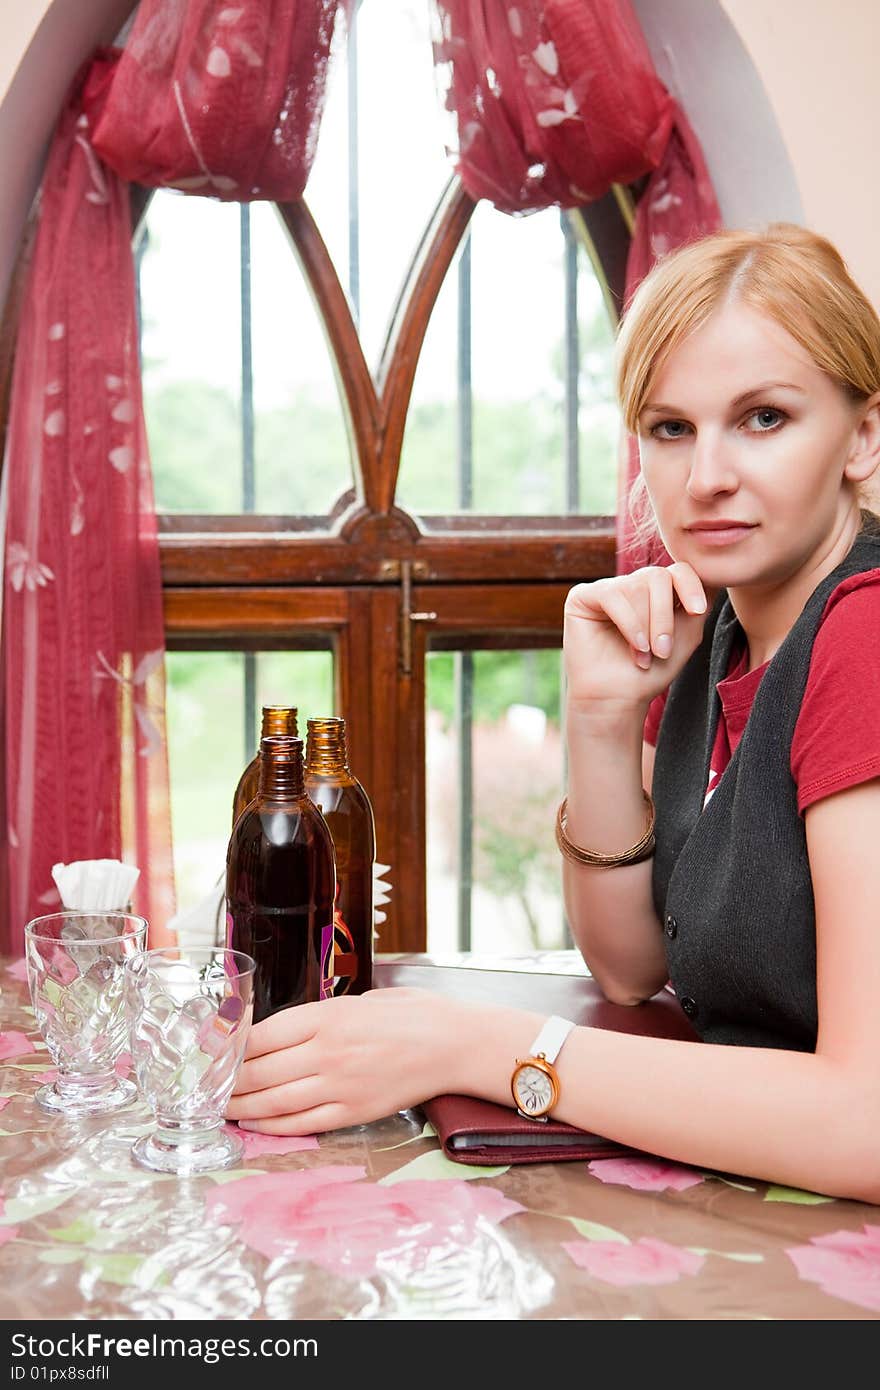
x=626, y=639
x=350, y=1060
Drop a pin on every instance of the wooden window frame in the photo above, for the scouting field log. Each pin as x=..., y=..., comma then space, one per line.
x=256, y=581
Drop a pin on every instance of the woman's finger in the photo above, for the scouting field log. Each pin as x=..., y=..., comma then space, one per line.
x=287, y=1028
x=609, y=601
x=662, y=619
x=274, y=1068
x=688, y=586
x=289, y=1098
x=316, y=1121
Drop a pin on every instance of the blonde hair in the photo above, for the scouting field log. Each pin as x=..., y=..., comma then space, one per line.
x=785, y=271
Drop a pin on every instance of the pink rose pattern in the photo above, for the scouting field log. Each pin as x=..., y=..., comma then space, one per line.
x=645, y=1261
x=845, y=1264
x=332, y=1218
x=257, y=1144
x=645, y=1174
x=7, y=1233
x=14, y=1044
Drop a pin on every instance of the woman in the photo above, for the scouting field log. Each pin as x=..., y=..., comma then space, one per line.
x=748, y=366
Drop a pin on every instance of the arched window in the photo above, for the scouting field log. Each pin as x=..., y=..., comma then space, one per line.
x=384, y=446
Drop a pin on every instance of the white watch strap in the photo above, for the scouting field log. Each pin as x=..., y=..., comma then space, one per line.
x=551, y=1037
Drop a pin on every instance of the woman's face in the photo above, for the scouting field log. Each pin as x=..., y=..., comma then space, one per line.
x=744, y=446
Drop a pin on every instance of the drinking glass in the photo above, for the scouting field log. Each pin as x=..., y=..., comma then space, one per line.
x=75, y=970
x=189, y=1012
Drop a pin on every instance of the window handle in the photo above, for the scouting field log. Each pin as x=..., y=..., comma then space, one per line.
x=408, y=617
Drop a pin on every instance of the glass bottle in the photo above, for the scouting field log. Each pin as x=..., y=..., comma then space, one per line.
x=278, y=720
x=346, y=807
x=281, y=884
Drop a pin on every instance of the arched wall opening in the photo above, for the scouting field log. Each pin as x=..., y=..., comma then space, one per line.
x=696, y=49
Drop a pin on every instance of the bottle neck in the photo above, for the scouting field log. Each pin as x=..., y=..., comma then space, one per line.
x=281, y=768
x=279, y=721
x=326, y=752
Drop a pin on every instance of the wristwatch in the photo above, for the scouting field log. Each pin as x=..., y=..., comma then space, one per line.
x=534, y=1083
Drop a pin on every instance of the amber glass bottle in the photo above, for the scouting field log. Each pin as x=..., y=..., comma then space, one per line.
x=281, y=885
x=278, y=721
x=346, y=806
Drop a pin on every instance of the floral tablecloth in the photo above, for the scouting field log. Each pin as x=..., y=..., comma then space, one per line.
x=374, y=1222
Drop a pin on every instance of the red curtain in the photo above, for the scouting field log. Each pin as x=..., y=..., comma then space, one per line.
x=219, y=97
x=556, y=100
x=86, y=769
x=82, y=655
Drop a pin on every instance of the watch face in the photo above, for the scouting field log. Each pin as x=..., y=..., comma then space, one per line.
x=533, y=1090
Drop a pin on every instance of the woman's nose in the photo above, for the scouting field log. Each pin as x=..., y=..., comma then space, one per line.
x=711, y=469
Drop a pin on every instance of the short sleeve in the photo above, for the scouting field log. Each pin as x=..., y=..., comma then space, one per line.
x=836, y=741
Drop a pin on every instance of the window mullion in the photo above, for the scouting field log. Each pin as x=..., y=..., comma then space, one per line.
x=248, y=479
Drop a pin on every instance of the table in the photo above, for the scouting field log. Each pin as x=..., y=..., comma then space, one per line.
x=374, y=1223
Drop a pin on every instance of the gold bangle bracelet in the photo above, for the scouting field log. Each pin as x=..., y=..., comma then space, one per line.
x=643, y=850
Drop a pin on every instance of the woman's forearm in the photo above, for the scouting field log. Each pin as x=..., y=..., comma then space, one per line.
x=610, y=910
x=798, y=1119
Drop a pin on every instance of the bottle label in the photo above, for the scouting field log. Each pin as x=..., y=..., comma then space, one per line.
x=327, y=964
x=345, y=960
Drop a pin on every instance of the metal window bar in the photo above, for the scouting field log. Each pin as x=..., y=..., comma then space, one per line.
x=248, y=477
x=464, y=661
x=142, y=246
x=572, y=368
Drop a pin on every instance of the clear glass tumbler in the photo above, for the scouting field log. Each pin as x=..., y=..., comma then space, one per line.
x=75, y=969
x=189, y=1012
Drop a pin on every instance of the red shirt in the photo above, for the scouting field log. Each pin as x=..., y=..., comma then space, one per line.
x=836, y=740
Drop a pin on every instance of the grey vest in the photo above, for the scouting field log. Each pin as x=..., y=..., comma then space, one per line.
x=732, y=882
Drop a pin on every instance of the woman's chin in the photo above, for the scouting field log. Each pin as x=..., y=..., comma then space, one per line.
x=718, y=571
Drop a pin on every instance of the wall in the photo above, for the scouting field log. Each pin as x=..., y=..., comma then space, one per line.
x=700, y=57
x=42, y=44
x=818, y=64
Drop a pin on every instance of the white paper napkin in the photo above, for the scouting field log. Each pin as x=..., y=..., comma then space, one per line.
x=102, y=885
x=204, y=924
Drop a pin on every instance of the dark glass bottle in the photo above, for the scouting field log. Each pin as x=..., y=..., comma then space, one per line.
x=346, y=807
x=278, y=720
x=281, y=884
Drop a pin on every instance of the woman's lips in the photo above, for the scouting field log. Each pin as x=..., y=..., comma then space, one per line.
x=720, y=535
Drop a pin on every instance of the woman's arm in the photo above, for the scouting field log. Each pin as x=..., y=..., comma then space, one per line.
x=610, y=682
x=801, y=1119
x=610, y=911
x=808, y=1120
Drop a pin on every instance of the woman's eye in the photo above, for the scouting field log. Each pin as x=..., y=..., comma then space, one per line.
x=761, y=415
x=676, y=426
x=764, y=420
